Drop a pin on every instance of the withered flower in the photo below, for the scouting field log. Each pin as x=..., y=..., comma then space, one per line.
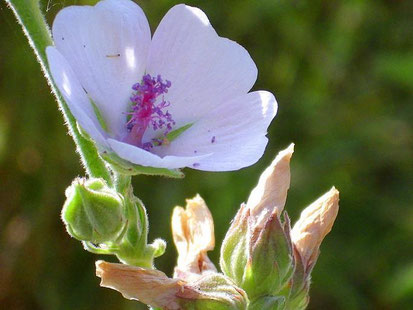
x=193, y=234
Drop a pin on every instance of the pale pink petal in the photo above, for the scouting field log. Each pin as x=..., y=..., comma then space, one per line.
x=106, y=45
x=205, y=69
x=233, y=133
x=74, y=95
x=141, y=157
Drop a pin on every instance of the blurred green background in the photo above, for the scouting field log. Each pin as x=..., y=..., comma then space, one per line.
x=342, y=72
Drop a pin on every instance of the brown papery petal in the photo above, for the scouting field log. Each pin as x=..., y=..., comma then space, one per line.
x=193, y=234
x=151, y=287
x=271, y=192
x=314, y=224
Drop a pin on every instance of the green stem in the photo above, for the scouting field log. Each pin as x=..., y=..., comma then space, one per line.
x=133, y=249
x=35, y=28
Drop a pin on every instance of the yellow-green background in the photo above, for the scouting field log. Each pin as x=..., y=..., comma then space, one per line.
x=342, y=72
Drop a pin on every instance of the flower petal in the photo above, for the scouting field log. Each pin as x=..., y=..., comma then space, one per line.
x=234, y=133
x=270, y=194
x=193, y=235
x=152, y=287
x=139, y=156
x=204, y=69
x=107, y=47
x=74, y=95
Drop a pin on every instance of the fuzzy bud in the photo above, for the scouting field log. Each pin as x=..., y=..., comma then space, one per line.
x=93, y=212
x=257, y=251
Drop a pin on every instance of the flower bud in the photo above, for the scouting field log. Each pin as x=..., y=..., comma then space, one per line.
x=193, y=234
x=271, y=192
x=314, y=224
x=93, y=212
x=257, y=251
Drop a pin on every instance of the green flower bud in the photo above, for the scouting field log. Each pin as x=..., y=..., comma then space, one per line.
x=93, y=212
x=259, y=259
x=257, y=250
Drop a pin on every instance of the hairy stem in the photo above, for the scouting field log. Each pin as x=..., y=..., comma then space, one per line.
x=35, y=28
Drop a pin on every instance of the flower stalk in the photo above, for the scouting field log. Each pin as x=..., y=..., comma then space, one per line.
x=35, y=28
x=133, y=248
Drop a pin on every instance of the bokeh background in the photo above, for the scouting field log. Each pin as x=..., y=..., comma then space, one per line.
x=342, y=72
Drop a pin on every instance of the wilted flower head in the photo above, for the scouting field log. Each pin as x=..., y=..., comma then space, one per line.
x=314, y=224
x=270, y=194
x=178, y=99
x=193, y=234
x=307, y=234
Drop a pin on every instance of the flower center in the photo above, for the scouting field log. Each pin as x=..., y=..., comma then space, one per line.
x=146, y=112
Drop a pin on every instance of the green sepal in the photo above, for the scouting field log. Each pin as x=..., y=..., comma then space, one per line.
x=99, y=116
x=214, y=291
x=267, y=303
x=271, y=264
x=127, y=168
x=133, y=248
x=174, y=134
x=297, y=291
x=234, y=254
x=258, y=258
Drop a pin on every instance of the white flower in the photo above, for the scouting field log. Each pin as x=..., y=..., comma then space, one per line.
x=186, y=80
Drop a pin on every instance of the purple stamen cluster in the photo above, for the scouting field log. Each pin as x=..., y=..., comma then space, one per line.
x=146, y=112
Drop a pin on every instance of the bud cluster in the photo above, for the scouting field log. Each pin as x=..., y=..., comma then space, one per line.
x=265, y=264
x=263, y=255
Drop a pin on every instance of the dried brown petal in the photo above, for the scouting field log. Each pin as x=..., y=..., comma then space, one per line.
x=193, y=234
x=154, y=288
x=151, y=287
x=271, y=192
x=314, y=224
